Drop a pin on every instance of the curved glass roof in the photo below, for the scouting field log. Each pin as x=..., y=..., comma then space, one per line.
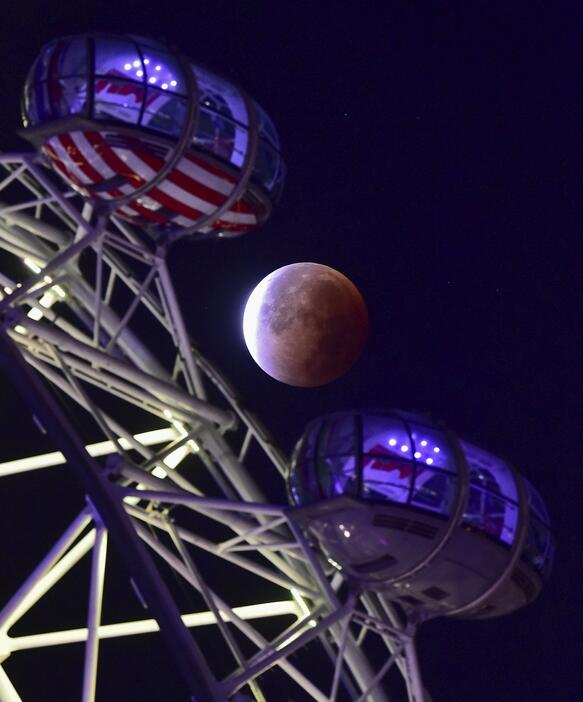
x=139, y=83
x=375, y=457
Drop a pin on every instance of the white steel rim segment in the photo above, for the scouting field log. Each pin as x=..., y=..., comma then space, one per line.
x=195, y=417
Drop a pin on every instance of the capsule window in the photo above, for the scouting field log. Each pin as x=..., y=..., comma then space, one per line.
x=221, y=137
x=338, y=438
x=539, y=548
x=306, y=448
x=42, y=102
x=266, y=128
x=219, y=96
x=338, y=476
x=386, y=479
x=118, y=100
x=71, y=59
x=535, y=502
x=278, y=182
x=434, y=490
x=490, y=472
x=431, y=447
x=57, y=84
x=163, y=71
x=267, y=166
x=491, y=514
x=385, y=435
x=35, y=103
x=118, y=59
x=71, y=98
x=40, y=67
x=164, y=112
x=303, y=483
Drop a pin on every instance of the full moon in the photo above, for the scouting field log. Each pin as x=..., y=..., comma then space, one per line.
x=305, y=324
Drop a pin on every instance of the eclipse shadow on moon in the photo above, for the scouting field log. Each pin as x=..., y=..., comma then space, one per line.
x=305, y=324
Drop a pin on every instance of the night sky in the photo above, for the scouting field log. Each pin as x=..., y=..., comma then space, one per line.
x=434, y=157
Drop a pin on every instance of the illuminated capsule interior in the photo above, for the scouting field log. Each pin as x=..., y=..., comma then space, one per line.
x=402, y=506
x=110, y=113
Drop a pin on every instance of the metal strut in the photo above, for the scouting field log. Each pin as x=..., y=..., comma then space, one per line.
x=185, y=651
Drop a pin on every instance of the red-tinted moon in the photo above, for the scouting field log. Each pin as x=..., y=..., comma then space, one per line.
x=305, y=324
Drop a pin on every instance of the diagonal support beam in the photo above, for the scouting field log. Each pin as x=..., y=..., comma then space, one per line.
x=93, y=233
x=8, y=692
x=121, y=368
x=58, y=561
x=94, y=615
x=181, y=645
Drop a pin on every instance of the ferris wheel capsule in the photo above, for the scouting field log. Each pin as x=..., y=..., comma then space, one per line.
x=404, y=507
x=168, y=145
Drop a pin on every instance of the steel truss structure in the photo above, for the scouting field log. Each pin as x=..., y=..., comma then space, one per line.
x=179, y=476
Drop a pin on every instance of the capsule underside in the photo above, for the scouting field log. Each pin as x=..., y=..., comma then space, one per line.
x=403, y=507
x=108, y=113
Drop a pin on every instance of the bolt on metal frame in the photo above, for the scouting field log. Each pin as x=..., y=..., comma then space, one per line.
x=145, y=493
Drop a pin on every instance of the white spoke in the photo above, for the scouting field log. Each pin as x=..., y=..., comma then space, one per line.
x=94, y=615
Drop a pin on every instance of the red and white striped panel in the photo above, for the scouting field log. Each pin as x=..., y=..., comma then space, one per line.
x=108, y=165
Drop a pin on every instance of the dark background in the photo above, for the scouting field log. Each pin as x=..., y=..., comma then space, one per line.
x=434, y=157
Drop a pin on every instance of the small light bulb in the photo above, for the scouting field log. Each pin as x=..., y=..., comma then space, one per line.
x=429, y=461
x=173, y=83
x=404, y=448
x=152, y=80
x=164, y=86
x=128, y=66
x=136, y=64
x=158, y=68
x=436, y=449
x=35, y=313
x=139, y=73
x=346, y=533
x=392, y=442
x=47, y=300
x=424, y=443
x=34, y=267
x=417, y=454
x=146, y=61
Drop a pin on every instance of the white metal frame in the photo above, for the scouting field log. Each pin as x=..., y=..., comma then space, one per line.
x=90, y=349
